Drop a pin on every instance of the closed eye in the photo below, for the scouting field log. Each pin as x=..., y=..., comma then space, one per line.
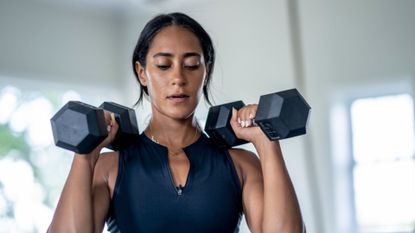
x=163, y=67
x=192, y=67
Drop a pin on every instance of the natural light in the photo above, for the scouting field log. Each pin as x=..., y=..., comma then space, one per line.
x=384, y=171
x=32, y=169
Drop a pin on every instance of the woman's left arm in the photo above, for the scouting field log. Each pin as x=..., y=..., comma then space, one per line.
x=277, y=208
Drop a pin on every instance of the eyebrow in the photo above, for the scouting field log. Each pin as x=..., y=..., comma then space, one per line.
x=189, y=54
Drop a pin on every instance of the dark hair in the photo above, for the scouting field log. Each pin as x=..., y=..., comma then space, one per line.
x=156, y=25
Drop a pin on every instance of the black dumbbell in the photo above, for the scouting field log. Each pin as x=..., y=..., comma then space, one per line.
x=81, y=127
x=218, y=125
x=280, y=115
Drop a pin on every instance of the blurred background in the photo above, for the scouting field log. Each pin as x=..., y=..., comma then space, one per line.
x=354, y=62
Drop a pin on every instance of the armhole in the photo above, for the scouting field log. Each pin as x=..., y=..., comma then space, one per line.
x=234, y=172
x=120, y=173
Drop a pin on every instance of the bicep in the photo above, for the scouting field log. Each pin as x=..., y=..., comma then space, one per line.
x=253, y=202
x=101, y=196
x=101, y=200
x=252, y=188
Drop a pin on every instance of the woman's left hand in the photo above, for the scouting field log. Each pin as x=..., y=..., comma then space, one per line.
x=243, y=124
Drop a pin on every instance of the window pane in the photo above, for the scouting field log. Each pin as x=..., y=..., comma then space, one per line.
x=384, y=195
x=382, y=127
x=384, y=171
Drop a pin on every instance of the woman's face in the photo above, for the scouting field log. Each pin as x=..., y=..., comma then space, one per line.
x=175, y=72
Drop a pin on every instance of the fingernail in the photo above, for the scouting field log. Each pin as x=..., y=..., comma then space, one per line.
x=242, y=124
x=251, y=116
x=239, y=120
x=248, y=123
x=109, y=127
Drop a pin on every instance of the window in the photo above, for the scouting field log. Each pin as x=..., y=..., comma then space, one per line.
x=32, y=169
x=383, y=163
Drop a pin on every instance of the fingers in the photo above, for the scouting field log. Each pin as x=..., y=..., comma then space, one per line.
x=245, y=116
x=234, y=119
x=110, y=120
x=113, y=126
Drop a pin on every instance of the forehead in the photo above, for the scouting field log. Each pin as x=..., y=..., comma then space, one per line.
x=175, y=40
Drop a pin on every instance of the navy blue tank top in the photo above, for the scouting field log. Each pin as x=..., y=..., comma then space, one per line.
x=145, y=198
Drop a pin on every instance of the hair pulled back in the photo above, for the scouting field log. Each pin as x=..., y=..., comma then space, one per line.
x=154, y=26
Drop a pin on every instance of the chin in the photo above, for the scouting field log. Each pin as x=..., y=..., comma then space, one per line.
x=180, y=113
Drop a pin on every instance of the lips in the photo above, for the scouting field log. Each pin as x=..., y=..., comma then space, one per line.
x=177, y=96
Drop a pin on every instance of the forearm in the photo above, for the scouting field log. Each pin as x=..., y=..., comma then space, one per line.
x=74, y=211
x=281, y=212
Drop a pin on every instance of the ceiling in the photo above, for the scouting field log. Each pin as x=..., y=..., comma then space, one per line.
x=117, y=6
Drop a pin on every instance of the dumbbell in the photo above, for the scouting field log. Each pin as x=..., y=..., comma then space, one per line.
x=280, y=115
x=81, y=127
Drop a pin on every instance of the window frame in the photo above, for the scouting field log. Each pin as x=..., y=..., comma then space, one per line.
x=342, y=143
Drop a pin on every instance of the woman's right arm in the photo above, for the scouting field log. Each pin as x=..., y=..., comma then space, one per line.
x=85, y=198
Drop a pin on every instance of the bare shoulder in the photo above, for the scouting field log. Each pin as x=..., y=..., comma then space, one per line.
x=107, y=161
x=106, y=169
x=246, y=162
x=243, y=156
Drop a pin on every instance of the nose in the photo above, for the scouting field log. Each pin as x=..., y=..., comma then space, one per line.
x=178, y=77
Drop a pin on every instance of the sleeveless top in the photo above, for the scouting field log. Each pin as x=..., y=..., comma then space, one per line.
x=145, y=198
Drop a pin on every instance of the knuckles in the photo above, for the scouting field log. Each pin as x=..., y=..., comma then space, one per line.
x=245, y=116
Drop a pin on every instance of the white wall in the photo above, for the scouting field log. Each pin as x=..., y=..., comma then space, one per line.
x=54, y=43
x=350, y=45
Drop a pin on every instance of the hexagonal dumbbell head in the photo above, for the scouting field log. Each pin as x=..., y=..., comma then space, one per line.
x=127, y=121
x=218, y=125
x=79, y=127
x=283, y=114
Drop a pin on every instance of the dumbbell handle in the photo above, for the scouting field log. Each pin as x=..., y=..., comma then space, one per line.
x=128, y=128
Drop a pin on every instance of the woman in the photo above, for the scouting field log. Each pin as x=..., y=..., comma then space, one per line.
x=174, y=179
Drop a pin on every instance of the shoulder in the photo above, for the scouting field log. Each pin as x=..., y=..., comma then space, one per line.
x=246, y=162
x=106, y=168
x=246, y=154
x=243, y=157
x=107, y=160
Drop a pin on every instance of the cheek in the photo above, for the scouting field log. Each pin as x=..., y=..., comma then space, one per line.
x=155, y=84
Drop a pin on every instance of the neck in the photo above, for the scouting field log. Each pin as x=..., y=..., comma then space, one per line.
x=171, y=132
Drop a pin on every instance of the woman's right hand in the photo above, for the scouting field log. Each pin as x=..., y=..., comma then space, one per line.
x=75, y=211
x=112, y=127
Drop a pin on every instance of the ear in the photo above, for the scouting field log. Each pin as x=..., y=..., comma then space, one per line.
x=140, y=70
